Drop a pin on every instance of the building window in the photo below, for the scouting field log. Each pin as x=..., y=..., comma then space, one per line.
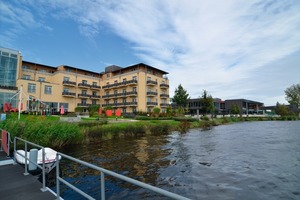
x=94, y=102
x=26, y=77
x=148, y=78
x=43, y=71
x=48, y=89
x=124, y=79
x=133, y=99
x=115, y=101
x=66, y=78
x=116, y=81
x=134, y=109
x=134, y=78
x=94, y=93
x=66, y=89
x=25, y=67
x=41, y=79
x=107, y=93
x=83, y=101
x=94, y=83
x=31, y=88
x=124, y=110
x=84, y=82
x=124, y=91
x=124, y=100
x=107, y=75
x=134, y=89
x=149, y=99
x=83, y=92
x=116, y=92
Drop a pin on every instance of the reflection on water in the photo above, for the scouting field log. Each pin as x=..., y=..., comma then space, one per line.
x=253, y=160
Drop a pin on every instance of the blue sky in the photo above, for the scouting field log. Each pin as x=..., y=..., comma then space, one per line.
x=232, y=49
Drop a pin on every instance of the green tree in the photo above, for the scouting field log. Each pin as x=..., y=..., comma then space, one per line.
x=156, y=111
x=281, y=109
x=234, y=109
x=207, y=103
x=293, y=95
x=180, y=98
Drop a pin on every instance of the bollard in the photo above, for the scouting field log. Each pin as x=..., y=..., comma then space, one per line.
x=33, y=158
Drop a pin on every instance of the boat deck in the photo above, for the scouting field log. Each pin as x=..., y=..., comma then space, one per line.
x=15, y=185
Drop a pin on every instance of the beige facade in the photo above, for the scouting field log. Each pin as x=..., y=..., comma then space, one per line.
x=131, y=89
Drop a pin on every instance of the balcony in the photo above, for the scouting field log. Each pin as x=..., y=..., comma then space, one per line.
x=69, y=83
x=151, y=103
x=95, y=87
x=163, y=85
x=133, y=93
x=149, y=82
x=164, y=96
x=95, y=96
x=107, y=96
x=83, y=104
x=84, y=96
x=164, y=105
x=84, y=85
x=69, y=94
x=131, y=82
x=151, y=93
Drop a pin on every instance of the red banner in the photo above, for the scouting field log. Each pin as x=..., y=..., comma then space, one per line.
x=4, y=141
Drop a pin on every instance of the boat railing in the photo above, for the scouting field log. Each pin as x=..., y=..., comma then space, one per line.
x=16, y=139
x=104, y=172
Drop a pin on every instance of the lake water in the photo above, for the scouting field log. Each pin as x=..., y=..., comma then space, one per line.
x=250, y=160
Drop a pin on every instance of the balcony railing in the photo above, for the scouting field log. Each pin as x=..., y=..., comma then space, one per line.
x=70, y=83
x=84, y=104
x=84, y=96
x=69, y=94
x=164, y=96
x=84, y=85
x=151, y=93
x=163, y=85
x=151, y=103
x=95, y=96
x=95, y=87
x=120, y=84
x=149, y=82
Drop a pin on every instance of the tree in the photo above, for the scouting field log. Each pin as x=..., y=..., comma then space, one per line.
x=281, y=109
x=180, y=98
x=293, y=95
x=207, y=103
x=234, y=109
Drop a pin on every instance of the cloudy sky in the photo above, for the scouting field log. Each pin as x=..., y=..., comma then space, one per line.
x=232, y=49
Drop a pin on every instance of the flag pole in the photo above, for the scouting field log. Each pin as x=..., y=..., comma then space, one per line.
x=20, y=101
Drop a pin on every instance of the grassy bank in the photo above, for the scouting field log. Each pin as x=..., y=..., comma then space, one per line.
x=49, y=131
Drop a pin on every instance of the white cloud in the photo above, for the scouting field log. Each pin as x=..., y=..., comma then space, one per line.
x=220, y=46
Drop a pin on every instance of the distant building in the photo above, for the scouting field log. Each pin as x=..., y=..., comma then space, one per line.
x=224, y=107
x=130, y=89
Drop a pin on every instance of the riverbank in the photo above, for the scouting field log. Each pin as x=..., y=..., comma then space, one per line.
x=50, y=131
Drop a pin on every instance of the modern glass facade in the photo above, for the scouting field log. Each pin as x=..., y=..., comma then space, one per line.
x=8, y=75
x=8, y=67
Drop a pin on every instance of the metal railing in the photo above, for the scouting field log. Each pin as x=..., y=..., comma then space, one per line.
x=102, y=173
x=27, y=159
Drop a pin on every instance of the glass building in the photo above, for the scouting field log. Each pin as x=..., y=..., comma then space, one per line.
x=9, y=62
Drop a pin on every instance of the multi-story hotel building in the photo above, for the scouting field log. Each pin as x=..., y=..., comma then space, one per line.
x=131, y=89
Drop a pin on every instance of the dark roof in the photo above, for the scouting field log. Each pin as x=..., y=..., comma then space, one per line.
x=70, y=67
x=148, y=66
x=32, y=63
x=244, y=100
